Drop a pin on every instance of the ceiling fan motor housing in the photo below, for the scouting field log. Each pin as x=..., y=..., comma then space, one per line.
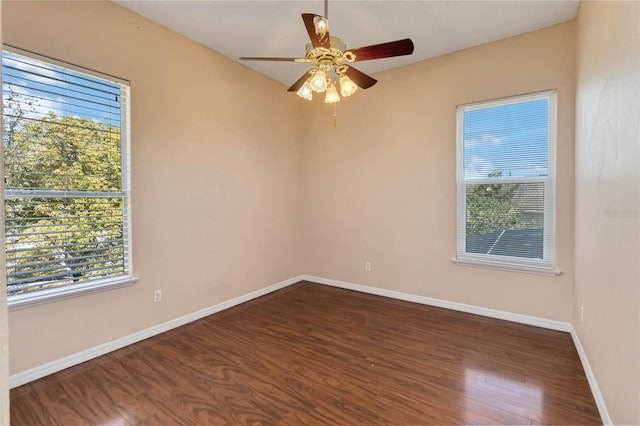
x=336, y=55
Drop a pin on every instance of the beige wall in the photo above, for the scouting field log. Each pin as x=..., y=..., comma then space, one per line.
x=216, y=176
x=381, y=187
x=607, y=240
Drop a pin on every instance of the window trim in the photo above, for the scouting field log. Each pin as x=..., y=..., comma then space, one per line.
x=547, y=265
x=63, y=64
x=18, y=301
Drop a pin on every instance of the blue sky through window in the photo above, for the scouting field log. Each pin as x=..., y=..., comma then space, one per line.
x=50, y=88
x=512, y=139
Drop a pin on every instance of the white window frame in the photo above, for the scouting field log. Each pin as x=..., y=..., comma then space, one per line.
x=18, y=301
x=546, y=265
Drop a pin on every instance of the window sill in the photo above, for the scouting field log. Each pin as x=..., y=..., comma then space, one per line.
x=20, y=301
x=506, y=267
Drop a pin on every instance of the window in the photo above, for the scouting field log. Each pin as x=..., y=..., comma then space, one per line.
x=66, y=175
x=505, y=180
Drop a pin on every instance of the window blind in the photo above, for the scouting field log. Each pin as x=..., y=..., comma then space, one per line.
x=66, y=174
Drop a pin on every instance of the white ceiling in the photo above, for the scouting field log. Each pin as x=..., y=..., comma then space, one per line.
x=274, y=28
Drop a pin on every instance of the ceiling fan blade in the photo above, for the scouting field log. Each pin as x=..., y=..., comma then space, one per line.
x=251, y=58
x=318, y=29
x=358, y=77
x=298, y=84
x=384, y=50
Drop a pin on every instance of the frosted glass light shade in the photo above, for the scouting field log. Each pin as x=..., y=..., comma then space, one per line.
x=322, y=26
x=332, y=95
x=305, y=91
x=347, y=86
x=319, y=81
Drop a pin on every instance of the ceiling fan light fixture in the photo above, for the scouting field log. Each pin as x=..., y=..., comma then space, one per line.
x=305, y=91
x=319, y=81
x=347, y=86
x=332, y=95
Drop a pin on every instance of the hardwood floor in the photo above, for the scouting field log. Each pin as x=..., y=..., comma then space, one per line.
x=312, y=354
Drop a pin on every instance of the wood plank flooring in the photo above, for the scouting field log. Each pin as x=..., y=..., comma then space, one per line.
x=312, y=354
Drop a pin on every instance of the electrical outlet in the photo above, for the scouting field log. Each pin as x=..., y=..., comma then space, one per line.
x=581, y=313
x=157, y=296
x=367, y=266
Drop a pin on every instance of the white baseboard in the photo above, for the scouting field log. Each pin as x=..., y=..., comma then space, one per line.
x=71, y=360
x=486, y=312
x=591, y=378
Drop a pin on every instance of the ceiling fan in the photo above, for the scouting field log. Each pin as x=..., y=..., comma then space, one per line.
x=332, y=61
